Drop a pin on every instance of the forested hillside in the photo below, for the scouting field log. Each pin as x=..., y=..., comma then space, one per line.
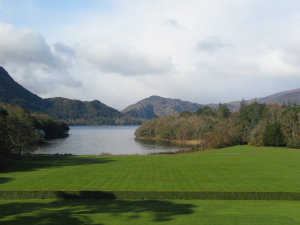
x=76, y=112
x=254, y=124
x=20, y=130
x=156, y=106
x=13, y=93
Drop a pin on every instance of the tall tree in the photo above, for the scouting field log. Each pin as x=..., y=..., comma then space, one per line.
x=274, y=136
x=223, y=111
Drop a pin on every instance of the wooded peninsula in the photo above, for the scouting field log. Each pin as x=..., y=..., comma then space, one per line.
x=255, y=124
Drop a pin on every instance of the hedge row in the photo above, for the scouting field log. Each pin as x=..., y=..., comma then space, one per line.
x=184, y=195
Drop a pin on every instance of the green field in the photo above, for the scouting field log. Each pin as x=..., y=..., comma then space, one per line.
x=233, y=169
x=239, y=168
x=108, y=212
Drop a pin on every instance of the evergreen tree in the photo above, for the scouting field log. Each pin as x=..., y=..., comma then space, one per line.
x=223, y=111
x=205, y=111
x=274, y=136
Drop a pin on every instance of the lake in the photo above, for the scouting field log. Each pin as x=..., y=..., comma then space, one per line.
x=97, y=140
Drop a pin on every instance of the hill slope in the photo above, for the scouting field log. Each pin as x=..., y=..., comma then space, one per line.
x=153, y=106
x=13, y=93
x=82, y=112
x=282, y=97
x=290, y=96
x=71, y=111
x=158, y=106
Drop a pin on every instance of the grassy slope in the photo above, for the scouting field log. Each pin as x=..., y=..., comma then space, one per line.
x=107, y=212
x=239, y=168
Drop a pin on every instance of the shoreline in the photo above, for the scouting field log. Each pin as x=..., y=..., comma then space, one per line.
x=181, y=151
x=189, y=143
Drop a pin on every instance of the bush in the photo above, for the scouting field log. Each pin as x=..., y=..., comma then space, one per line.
x=294, y=144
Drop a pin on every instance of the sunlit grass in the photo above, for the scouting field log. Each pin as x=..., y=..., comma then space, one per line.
x=239, y=168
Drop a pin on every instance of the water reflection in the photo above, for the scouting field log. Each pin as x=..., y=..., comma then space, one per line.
x=97, y=140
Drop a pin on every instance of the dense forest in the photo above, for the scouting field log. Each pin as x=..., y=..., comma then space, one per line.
x=255, y=124
x=20, y=130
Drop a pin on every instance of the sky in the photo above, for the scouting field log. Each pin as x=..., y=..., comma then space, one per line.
x=121, y=51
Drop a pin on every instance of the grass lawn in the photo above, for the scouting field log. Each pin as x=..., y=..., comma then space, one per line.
x=107, y=212
x=239, y=168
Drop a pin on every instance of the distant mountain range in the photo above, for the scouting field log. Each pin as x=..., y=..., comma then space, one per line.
x=78, y=112
x=292, y=96
x=287, y=97
x=153, y=106
x=71, y=111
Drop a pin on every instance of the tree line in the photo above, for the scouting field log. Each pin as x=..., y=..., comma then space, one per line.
x=255, y=124
x=19, y=130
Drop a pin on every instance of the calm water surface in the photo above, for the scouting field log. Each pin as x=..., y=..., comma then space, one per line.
x=97, y=140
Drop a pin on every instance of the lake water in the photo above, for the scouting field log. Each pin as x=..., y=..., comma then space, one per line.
x=97, y=140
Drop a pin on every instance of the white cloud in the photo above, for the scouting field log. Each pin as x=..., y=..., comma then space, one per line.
x=31, y=60
x=172, y=23
x=273, y=63
x=63, y=49
x=123, y=60
x=24, y=46
x=211, y=44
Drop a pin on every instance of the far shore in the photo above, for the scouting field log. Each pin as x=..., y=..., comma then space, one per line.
x=176, y=141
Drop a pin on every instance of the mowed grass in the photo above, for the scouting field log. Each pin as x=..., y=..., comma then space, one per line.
x=239, y=168
x=107, y=212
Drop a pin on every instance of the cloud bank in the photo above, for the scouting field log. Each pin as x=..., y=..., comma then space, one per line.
x=122, y=51
x=123, y=61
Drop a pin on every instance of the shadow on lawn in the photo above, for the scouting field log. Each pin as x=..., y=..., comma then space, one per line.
x=4, y=179
x=80, y=212
x=34, y=162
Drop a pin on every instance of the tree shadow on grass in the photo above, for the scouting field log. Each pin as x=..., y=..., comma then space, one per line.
x=4, y=179
x=82, y=211
x=34, y=162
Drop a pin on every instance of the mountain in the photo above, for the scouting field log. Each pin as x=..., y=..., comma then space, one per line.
x=13, y=93
x=80, y=112
x=292, y=96
x=74, y=112
x=287, y=97
x=158, y=106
